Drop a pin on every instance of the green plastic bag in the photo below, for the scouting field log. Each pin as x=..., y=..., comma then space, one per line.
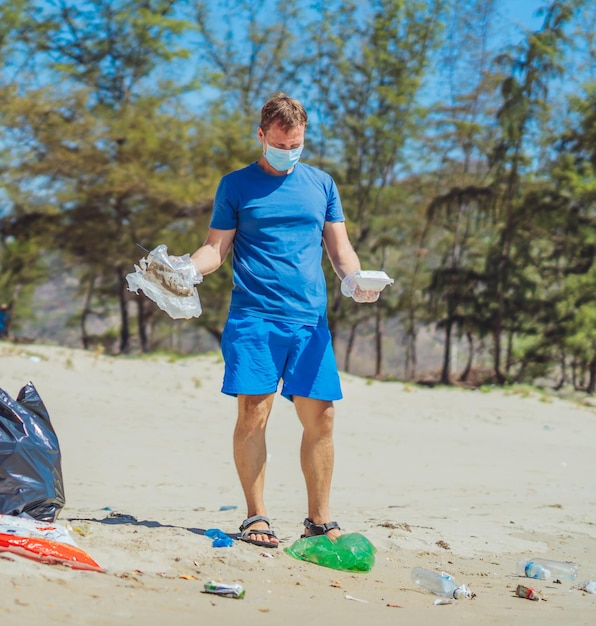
x=351, y=552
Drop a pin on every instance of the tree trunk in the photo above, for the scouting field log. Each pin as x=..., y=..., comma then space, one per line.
x=378, y=341
x=411, y=357
x=574, y=374
x=468, y=368
x=124, y=321
x=142, y=320
x=445, y=375
x=85, y=313
x=563, y=378
x=509, y=357
x=215, y=332
x=592, y=380
x=497, y=354
x=350, y=347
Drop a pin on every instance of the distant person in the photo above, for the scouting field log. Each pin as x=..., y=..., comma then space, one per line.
x=277, y=215
x=4, y=321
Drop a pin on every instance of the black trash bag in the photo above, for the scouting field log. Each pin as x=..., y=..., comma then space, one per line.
x=30, y=462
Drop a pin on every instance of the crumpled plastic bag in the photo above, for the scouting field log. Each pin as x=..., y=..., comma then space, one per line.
x=350, y=552
x=48, y=543
x=169, y=281
x=220, y=539
x=30, y=463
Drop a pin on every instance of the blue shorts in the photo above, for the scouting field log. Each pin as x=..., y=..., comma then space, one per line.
x=258, y=353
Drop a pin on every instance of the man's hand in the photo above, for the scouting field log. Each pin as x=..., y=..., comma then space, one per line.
x=176, y=274
x=350, y=289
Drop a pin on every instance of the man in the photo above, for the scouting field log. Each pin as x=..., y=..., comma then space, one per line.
x=276, y=215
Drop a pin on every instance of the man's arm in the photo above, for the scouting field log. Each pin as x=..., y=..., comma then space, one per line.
x=213, y=251
x=345, y=261
x=339, y=249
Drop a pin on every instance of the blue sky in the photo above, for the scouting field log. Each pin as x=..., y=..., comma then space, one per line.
x=522, y=12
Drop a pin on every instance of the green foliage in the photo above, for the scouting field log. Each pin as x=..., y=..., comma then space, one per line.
x=459, y=176
x=108, y=46
x=249, y=55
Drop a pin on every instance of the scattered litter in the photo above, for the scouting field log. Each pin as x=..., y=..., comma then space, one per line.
x=25, y=526
x=528, y=593
x=80, y=528
x=228, y=507
x=233, y=590
x=441, y=601
x=589, y=586
x=123, y=518
x=349, y=597
x=267, y=555
x=547, y=568
x=220, y=539
x=349, y=552
x=43, y=541
x=441, y=584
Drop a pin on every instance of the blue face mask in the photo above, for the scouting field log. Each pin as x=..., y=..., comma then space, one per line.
x=282, y=160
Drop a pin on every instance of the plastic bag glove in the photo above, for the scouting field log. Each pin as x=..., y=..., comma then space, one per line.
x=189, y=274
x=169, y=281
x=177, y=274
x=350, y=289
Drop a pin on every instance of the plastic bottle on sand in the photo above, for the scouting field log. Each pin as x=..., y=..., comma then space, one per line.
x=527, y=592
x=545, y=568
x=439, y=584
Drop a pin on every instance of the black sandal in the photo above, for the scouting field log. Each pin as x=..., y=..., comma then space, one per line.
x=246, y=531
x=316, y=530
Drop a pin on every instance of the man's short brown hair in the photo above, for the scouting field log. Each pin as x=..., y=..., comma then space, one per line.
x=286, y=111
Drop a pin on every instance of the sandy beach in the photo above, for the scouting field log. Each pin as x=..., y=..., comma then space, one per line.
x=464, y=481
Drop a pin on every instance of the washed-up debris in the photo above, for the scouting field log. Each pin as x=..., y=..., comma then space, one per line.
x=43, y=541
x=349, y=597
x=220, y=539
x=233, y=590
x=589, y=586
x=527, y=592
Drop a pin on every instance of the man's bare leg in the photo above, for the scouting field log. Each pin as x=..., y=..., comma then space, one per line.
x=250, y=455
x=317, y=456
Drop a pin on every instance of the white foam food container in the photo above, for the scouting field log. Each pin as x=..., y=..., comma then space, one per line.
x=370, y=280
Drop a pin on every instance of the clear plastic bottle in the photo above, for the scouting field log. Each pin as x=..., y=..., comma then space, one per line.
x=440, y=584
x=546, y=568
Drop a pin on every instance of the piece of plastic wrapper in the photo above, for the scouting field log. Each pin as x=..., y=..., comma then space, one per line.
x=220, y=539
x=43, y=541
x=30, y=462
x=169, y=281
x=589, y=586
x=350, y=552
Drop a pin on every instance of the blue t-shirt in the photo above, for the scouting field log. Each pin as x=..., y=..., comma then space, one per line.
x=278, y=245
